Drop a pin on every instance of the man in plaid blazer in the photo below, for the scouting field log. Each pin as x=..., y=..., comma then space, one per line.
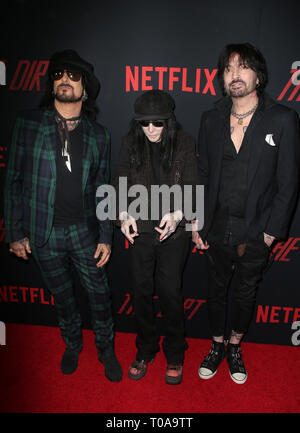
x=59, y=156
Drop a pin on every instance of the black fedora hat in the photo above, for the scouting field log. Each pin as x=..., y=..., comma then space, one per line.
x=154, y=105
x=70, y=59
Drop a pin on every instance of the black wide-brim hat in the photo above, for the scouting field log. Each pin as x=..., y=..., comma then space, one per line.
x=154, y=105
x=70, y=60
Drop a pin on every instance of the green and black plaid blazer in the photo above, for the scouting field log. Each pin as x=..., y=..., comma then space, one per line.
x=31, y=177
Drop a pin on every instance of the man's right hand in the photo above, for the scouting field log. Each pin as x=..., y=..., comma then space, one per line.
x=127, y=223
x=20, y=248
x=199, y=242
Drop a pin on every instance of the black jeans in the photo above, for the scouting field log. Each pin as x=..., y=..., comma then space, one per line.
x=223, y=261
x=162, y=263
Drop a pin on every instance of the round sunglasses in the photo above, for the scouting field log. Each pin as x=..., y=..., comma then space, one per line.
x=156, y=123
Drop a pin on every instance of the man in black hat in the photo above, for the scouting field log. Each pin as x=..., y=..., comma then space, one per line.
x=157, y=152
x=59, y=156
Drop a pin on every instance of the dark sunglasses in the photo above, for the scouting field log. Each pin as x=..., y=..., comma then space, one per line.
x=157, y=123
x=59, y=73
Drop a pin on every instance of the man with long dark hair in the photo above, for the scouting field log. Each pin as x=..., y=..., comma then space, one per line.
x=248, y=161
x=156, y=151
x=59, y=156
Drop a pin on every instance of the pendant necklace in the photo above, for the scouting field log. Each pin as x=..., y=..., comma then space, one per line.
x=240, y=117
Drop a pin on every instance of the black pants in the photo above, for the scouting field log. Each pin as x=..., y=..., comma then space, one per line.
x=223, y=262
x=149, y=258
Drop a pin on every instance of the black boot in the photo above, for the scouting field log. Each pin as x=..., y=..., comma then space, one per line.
x=69, y=362
x=211, y=362
x=237, y=370
x=112, y=367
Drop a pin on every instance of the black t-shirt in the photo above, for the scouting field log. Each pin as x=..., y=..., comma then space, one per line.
x=69, y=199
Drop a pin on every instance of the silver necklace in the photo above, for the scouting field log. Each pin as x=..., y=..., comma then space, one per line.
x=240, y=117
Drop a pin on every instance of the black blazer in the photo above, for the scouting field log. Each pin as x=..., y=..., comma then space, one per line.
x=273, y=171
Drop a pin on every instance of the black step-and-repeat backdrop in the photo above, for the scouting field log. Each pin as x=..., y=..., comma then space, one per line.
x=135, y=46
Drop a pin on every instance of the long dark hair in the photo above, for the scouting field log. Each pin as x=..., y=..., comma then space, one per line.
x=250, y=56
x=167, y=146
x=89, y=107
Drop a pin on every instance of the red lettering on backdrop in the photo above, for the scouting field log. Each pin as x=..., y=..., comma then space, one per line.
x=132, y=79
x=3, y=294
x=277, y=314
x=296, y=314
x=13, y=85
x=2, y=164
x=24, y=294
x=33, y=65
x=161, y=71
x=174, y=75
x=282, y=249
x=23, y=290
x=209, y=84
x=262, y=313
x=197, y=84
x=287, y=313
x=146, y=78
x=184, y=86
x=25, y=75
x=289, y=248
x=2, y=230
x=40, y=72
x=173, y=78
x=274, y=314
x=287, y=86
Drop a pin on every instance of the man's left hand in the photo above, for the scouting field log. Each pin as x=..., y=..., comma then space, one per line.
x=103, y=251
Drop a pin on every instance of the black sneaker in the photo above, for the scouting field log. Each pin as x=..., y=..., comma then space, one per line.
x=237, y=370
x=211, y=362
x=69, y=362
x=112, y=367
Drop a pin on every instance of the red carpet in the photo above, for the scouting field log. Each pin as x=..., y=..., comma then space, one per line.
x=31, y=381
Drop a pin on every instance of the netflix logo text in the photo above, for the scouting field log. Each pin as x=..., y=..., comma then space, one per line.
x=277, y=314
x=27, y=295
x=199, y=80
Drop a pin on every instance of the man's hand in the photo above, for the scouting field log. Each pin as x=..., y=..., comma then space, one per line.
x=104, y=250
x=196, y=237
x=170, y=222
x=20, y=248
x=128, y=222
x=268, y=239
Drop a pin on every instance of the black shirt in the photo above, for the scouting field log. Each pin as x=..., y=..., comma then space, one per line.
x=69, y=199
x=229, y=224
x=155, y=161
